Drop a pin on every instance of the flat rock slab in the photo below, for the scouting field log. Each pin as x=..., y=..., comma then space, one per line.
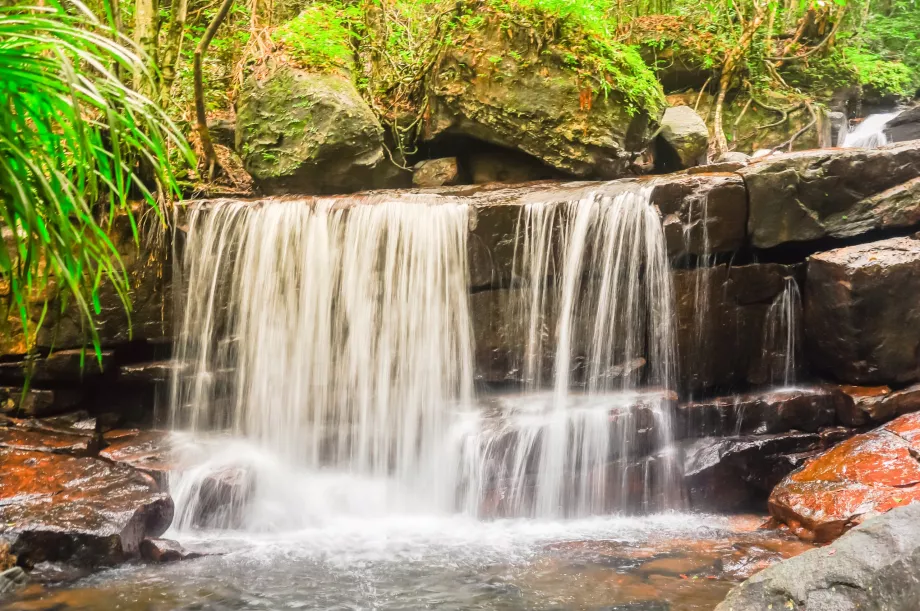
x=868, y=474
x=146, y=451
x=874, y=567
x=862, y=312
x=83, y=511
x=878, y=404
x=758, y=413
x=827, y=192
x=36, y=440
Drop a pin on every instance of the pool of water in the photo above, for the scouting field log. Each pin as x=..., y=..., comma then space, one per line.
x=674, y=562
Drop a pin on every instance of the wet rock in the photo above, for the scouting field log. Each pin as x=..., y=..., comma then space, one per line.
x=507, y=167
x=684, y=138
x=165, y=550
x=732, y=473
x=702, y=213
x=13, y=579
x=867, y=474
x=151, y=373
x=436, y=172
x=299, y=132
x=532, y=103
x=222, y=498
x=20, y=438
x=64, y=366
x=862, y=312
x=83, y=511
x=146, y=451
x=838, y=124
x=811, y=194
x=36, y=403
x=759, y=413
x=893, y=208
x=878, y=404
x=874, y=567
x=718, y=167
x=721, y=333
x=906, y=126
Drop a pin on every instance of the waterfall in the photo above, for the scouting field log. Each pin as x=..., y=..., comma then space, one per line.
x=781, y=334
x=595, y=273
x=870, y=133
x=335, y=336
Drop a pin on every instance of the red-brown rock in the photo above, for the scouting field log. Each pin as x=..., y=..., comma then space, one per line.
x=865, y=475
x=36, y=440
x=877, y=404
x=83, y=511
x=165, y=550
x=147, y=451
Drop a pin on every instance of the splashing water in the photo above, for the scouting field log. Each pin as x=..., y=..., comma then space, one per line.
x=870, y=133
x=781, y=334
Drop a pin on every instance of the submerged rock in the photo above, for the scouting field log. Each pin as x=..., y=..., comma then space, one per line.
x=813, y=194
x=683, y=137
x=874, y=567
x=868, y=474
x=222, y=498
x=165, y=550
x=299, y=132
x=862, y=312
x=83, y=511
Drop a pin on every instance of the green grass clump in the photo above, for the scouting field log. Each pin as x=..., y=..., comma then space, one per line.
x=319, y=38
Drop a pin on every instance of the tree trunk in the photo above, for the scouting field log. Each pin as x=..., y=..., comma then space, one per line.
x=172, y=47
x=146, y=30
x=209, y=157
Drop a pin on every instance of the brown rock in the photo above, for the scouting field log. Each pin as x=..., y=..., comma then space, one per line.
x=223, y=497
x=36, y=403
x=878, y=404
x=37, y=440
x=165, y=550
x=436, y=172
x=64, y=366
x=758, y=413
x=702, y=213
x=810, y=194
x=865, y=475
x=862, y=312
x=146, y=451
x=79, y=510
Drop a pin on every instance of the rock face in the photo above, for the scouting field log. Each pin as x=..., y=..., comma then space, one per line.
x=684, y=138
x=535, y=104
x=81, y=510
x=721, y=313
x=877, y=404
x=875, y=567
x=299, y=132
x=862, y=312
x=867, y=474
x=906, y=126
x=813, y=194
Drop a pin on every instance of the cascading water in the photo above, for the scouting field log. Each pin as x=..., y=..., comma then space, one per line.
x=781, y=334
x=870, y=133
x=606, y=299
x=337, y=337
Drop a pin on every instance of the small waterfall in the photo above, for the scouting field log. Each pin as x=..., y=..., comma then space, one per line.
x=335, y=336
x=782, y=334
x=596, y=275
x=870, y=133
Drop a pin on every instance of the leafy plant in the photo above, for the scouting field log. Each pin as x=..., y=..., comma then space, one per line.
x=319, y=37
x=73, y=140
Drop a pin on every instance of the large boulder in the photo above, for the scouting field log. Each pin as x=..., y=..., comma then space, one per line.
x=500, y=86
x=683, y=141
x=862, y=312
x=82, y=511
x=868, y=474
x=875, y=567
x=302, y=132
x=906, y=126
x=814, y=194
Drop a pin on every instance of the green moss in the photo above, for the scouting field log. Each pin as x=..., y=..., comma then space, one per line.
x=319, y=38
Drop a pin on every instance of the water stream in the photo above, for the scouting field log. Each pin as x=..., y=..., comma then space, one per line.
x=869, y=133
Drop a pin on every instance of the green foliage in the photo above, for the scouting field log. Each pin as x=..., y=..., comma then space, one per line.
x=887, y=77
x=319, y=38
x=72, y=136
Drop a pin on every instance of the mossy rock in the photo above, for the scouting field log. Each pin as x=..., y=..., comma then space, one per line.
x=301, y=132
x=506, y=87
